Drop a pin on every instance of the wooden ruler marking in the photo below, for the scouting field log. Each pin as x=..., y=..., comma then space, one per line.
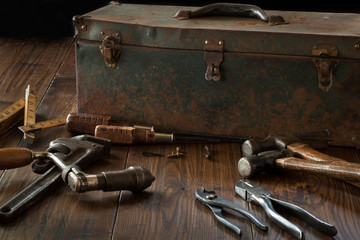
x=43, y=125
x=26, y=109
x=11, y=115
x=30, y=112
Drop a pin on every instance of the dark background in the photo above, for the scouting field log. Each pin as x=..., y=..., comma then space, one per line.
x=53, y=18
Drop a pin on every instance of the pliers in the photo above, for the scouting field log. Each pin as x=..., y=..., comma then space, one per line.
x=216, y=203
x=254, y=193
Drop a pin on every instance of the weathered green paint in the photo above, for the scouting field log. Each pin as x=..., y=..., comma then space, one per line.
x=268, y=83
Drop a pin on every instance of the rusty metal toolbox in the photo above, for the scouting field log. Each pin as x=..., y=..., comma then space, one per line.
x=226, y=69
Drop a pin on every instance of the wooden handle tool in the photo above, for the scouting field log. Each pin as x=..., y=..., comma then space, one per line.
x=15, y=157
x=333, y=167
x=346, y=171
x=305, y=151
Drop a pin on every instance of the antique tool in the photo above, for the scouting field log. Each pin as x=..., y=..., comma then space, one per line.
x=70, y=155
x=254, y=193
x=268, y=161
x=103, y=126
x=30, y=112
x=11, y=115
x=143, y=134
x=217, y=203
x=318, y=162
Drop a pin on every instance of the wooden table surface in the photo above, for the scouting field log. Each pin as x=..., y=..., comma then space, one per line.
x=166, y=210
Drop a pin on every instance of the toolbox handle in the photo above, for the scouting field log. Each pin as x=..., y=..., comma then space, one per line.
x=230, y=9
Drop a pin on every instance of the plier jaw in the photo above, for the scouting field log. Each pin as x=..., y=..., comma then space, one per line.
x=254, y=193
x=217, y=203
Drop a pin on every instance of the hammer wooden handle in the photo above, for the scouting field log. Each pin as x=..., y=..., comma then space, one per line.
x=305, y=151
x=15, y=157
x=347, y=171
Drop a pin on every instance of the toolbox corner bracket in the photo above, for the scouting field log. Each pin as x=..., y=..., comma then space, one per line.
x=110, y=47
x=79, y=23
x=213, y=56
x=325, y=62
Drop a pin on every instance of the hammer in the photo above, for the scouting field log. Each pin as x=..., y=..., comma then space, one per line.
x=251, y=166
x=289, y=142
x=298, y=149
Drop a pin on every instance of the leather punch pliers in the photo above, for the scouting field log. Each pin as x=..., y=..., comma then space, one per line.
x=216, y=203
x=254, y=193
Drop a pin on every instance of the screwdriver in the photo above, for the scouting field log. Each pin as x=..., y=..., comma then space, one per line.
x=102, y=126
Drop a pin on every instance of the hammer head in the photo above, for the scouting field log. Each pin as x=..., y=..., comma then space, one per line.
x=253, y=165
x=272, y=142
x=316, y=139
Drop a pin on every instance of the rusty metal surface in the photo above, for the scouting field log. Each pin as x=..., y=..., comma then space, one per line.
x=268, y=84
x=154, y=26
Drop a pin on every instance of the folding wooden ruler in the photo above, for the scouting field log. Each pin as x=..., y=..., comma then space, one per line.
x=26, y=108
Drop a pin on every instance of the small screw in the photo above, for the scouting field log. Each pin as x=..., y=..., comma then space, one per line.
x=206, y=154
x=357, y=46
x=102, y=33
x=220, y=42
x=152, y=154
x=177, y=154
x=206, y=41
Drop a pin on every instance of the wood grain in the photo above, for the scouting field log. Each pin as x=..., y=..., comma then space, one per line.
x=29, y=61
x=329, y=199
x=166, y=210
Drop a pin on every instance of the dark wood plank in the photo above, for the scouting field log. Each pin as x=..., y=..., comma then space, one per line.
x=169, y=209
x=329, y=199
x=28, y=61
x=64, y=214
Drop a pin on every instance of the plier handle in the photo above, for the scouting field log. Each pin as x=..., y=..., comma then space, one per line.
x=216, y=203
x=254, y=193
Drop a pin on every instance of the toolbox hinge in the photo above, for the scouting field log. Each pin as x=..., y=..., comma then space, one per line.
x=325, y=64
x=110, y=47
x=213, y=56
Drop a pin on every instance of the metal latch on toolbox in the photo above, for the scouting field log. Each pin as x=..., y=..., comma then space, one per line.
x=213, y=56
x=325, y=63
x=110, y=47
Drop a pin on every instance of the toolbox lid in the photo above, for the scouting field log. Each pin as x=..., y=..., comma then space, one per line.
x=156, y=26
